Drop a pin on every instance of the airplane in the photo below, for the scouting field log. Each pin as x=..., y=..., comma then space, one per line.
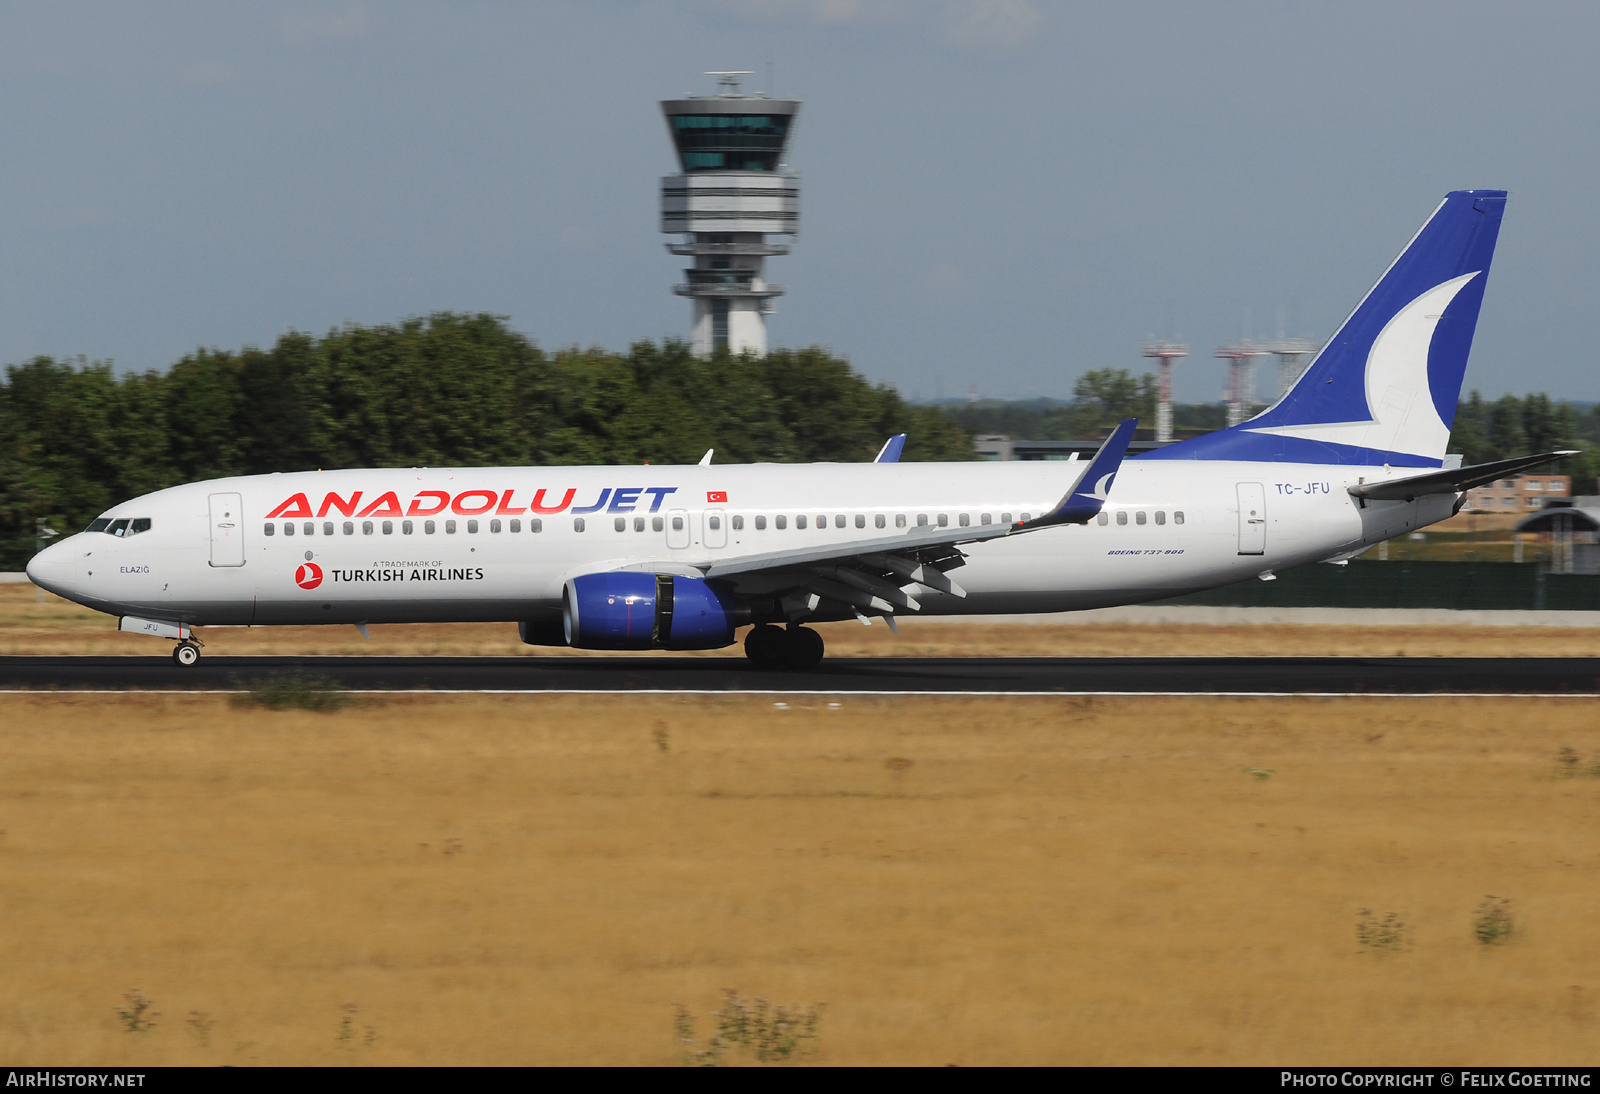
x=682, y=557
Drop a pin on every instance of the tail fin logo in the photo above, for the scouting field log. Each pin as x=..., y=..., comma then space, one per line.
x=1404, y=418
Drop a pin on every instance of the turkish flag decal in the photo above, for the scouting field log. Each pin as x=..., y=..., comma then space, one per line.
x=717, y=496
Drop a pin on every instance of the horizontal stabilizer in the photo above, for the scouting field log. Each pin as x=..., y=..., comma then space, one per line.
x=1451, y=481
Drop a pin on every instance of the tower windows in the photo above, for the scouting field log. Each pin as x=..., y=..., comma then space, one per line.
x=719, y=324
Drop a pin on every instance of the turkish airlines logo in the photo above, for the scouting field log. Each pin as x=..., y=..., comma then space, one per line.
x=308, y=576
x=717, y=497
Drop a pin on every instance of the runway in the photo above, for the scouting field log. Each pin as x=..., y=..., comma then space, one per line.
x=844, y=675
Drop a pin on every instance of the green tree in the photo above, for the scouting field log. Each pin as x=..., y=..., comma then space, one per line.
x=1109, y=395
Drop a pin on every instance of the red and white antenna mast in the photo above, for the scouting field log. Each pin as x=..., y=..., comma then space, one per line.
x=1165, y=353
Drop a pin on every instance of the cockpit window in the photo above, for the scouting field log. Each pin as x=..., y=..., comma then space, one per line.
x=123, y=527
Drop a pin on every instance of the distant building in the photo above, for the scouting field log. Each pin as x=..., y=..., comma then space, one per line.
x=998, y=446
x=734, y=194
x=1518, y=493
x=1573, y=528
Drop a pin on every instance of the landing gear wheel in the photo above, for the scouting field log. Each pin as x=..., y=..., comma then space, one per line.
x=185, y=654
x=802, y=649
x=764, y=646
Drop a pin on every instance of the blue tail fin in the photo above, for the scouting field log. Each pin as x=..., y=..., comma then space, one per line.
x=1384, y=388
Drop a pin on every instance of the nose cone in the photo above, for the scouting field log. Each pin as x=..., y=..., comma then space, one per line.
x=55, y=569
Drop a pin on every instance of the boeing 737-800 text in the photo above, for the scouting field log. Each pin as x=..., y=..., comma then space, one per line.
x=680, y=557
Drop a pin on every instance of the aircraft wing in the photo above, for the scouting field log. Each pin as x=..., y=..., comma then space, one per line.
x=1451, y=480
x=872, y=575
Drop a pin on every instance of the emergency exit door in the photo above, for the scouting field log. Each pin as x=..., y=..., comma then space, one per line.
x=1252, y=518
x=227, y=530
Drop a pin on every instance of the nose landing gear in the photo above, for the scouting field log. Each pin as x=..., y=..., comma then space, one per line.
x=797, y=649
x=185, y=653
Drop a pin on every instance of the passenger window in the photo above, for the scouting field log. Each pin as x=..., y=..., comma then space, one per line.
x=761, y=524
x=516, y=525
x=1177, y=517
x=677, y=524
x=1122, y=516
x=944, y=520
x=388, y=527
x=780, y=522
x=1103, y=519
x=310, y=529
x=737, y=523
x=349, y=527
x=800, y=522
x=1026, y=517
x=922, y=520
x=899, y=520
x=535, y=525
x=406, y=527
x=657, y=524
x=1161, y=518
x=620, y=524
x=822, y=522
x=449, y=527
x=288, y=527
x=1138, y=518
x=963, y=520
x=878, y=521
x=1005, y=518
x=495, y=526
x=100, y=524
x=861, y=520
x=366, y=527
x=140, y=524
x=715, y=522
x=327, y=527
x=577, y=524
x=985, y=518
x=428, y=527
x=472, y=527
x=270, y=530
x=838, y=520
x=638, y=524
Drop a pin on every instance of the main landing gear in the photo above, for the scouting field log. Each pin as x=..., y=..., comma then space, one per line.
x=185, y=653
x=796, y=649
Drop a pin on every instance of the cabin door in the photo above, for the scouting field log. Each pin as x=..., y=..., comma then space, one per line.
x=227, y=530
x=1252, y=518
x=678, y=529
x=716, y=534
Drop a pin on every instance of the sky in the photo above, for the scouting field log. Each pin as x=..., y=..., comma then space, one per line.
x=995, y=194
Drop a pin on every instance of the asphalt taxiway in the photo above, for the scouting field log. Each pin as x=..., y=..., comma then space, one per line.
x=881, y=675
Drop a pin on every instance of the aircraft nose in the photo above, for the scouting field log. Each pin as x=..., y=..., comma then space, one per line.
x=55, y=570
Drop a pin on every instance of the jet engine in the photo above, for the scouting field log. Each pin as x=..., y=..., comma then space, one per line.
x=637, y=611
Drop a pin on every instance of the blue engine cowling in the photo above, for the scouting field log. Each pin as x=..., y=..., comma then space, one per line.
x=634, y=611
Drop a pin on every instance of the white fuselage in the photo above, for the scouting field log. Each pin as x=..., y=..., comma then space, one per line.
x=434, y=545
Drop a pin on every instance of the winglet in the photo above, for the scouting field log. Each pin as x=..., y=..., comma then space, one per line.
x=1084, y=501
x=890, y=452
x=705, y=461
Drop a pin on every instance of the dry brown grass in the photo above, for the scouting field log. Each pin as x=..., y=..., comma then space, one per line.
x=536, y=880
x=59, y=627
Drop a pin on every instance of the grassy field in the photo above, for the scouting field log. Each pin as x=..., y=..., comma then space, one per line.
x=506, y=880
x=59, y=627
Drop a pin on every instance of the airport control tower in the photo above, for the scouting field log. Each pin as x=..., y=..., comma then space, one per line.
x=735, y=192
